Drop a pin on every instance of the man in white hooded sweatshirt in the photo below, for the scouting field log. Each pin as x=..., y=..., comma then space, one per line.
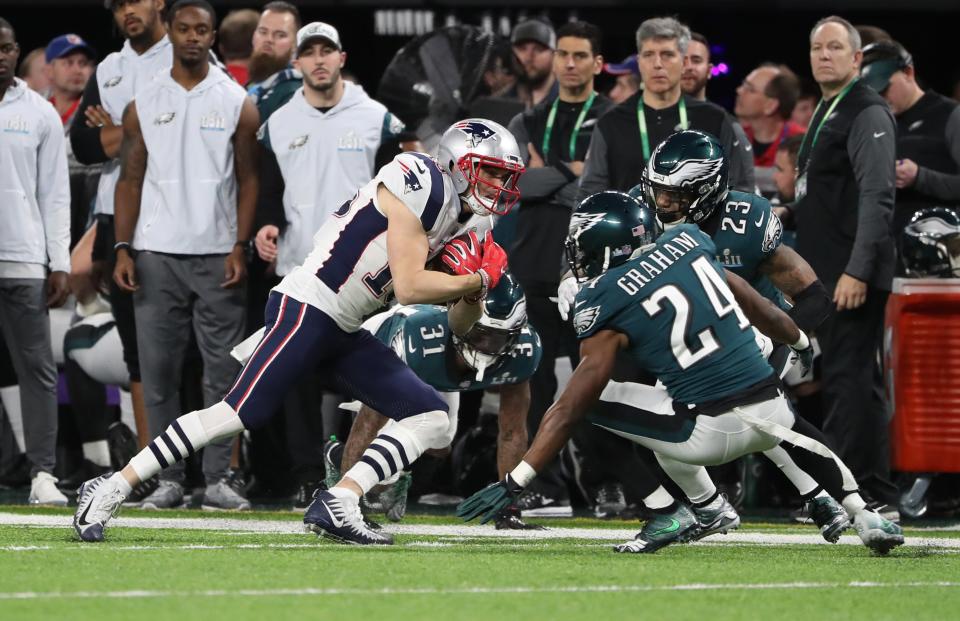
x=34, y=256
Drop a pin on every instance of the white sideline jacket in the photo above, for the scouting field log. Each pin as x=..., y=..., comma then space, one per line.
x=34, y=186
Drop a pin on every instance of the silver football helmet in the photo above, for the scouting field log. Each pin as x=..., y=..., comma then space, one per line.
x=472, y=144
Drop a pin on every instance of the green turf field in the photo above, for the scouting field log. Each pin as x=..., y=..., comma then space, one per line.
x=194, y=565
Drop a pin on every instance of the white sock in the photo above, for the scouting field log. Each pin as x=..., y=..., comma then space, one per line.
x=126, y=410
x=98, y=452
x=659, y=499
x=122, y=484
x=853, y=504
x=187, y=435
x=822, y=494
x=394, y=449
x=345, y=494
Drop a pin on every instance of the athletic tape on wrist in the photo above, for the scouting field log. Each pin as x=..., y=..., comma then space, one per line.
x=523, y=474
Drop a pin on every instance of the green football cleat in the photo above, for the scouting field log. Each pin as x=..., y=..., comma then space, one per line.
x=393, y=500
x=332, y=454
x=829, y=516
x=877, y=532
x=717, y=517
x=661, y=530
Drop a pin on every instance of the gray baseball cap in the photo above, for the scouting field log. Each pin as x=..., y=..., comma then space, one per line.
x=534, y=30
x=318, y=30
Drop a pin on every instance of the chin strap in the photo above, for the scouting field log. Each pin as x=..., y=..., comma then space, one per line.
x=669, y=225
x=481, y=367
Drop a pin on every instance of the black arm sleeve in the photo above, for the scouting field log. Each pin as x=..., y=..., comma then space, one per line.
x=85, y=141
x=270, y=199
x=944, y=186
x=810, y=307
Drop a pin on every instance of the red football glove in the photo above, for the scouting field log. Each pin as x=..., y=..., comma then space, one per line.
x=494, y=261
x=463, y=255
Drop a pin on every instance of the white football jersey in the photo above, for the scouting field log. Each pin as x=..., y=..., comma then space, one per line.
x=347, y=275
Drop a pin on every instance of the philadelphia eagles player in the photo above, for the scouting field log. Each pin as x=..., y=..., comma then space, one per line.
x=686, y=181
x=667, y=302
x=500, y=352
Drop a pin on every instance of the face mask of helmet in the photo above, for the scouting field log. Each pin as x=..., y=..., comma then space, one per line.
x=490, y=193
x=472, y=149
x=672, y=204
x=483, y=346
x=930, y=248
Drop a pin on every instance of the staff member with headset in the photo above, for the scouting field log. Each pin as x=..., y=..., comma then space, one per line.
x=928, y=132
x=845, y=192
x=553, y=136
x=625, y=137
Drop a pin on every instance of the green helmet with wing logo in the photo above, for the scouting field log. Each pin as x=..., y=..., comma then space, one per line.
x=497, y=331
x=685, y=179
x=605, y=230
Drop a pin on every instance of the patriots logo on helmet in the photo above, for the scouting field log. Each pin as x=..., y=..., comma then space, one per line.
x=476, y=132
x=410, y=181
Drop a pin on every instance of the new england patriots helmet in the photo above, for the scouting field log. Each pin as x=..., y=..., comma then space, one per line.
x=605, y=230
x=685, y=179
x=498, y=329
x=472, y=144
x=930, y=244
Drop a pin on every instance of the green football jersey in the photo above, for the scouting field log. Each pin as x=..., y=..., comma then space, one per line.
x=419, y=334
x=681, y=319
x=745, y=232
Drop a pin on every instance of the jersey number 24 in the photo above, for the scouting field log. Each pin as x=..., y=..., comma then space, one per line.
x=689, y=349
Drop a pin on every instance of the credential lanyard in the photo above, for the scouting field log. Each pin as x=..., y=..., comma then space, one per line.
x=545, y=146
x=816, y=134
x=642, y=120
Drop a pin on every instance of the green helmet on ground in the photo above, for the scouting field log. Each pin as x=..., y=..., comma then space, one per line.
x=498, y=329
x=605, y=230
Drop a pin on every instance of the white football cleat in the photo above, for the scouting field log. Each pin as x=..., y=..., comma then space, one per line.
x=877, y=532
x=43, y=491
x=98, y=500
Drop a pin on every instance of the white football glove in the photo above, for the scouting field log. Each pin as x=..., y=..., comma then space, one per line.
x=566, y=294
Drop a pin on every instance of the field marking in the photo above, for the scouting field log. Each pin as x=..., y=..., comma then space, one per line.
x=696, y=586
x=473, y=531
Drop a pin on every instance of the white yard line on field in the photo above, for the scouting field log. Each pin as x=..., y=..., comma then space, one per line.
x=241, y=526
x=696, y=586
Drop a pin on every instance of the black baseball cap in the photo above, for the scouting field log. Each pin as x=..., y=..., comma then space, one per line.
x=880, y=61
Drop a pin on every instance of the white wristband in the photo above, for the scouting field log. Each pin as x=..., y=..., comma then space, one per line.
x=523, y=474
x=802, y=343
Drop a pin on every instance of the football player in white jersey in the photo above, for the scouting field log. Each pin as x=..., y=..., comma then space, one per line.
x=373, y=247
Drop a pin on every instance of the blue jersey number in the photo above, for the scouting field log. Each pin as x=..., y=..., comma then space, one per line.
x=378, y=283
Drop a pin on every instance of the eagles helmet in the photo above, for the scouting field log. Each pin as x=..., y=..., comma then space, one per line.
x=498, y=329
x=605, y=230
x=474, y=143
x=930, y=244
x=685, y=179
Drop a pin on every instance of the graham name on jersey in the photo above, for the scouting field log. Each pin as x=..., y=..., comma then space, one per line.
x=655, y=262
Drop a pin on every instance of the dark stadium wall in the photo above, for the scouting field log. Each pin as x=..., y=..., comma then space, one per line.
x=743, y=36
